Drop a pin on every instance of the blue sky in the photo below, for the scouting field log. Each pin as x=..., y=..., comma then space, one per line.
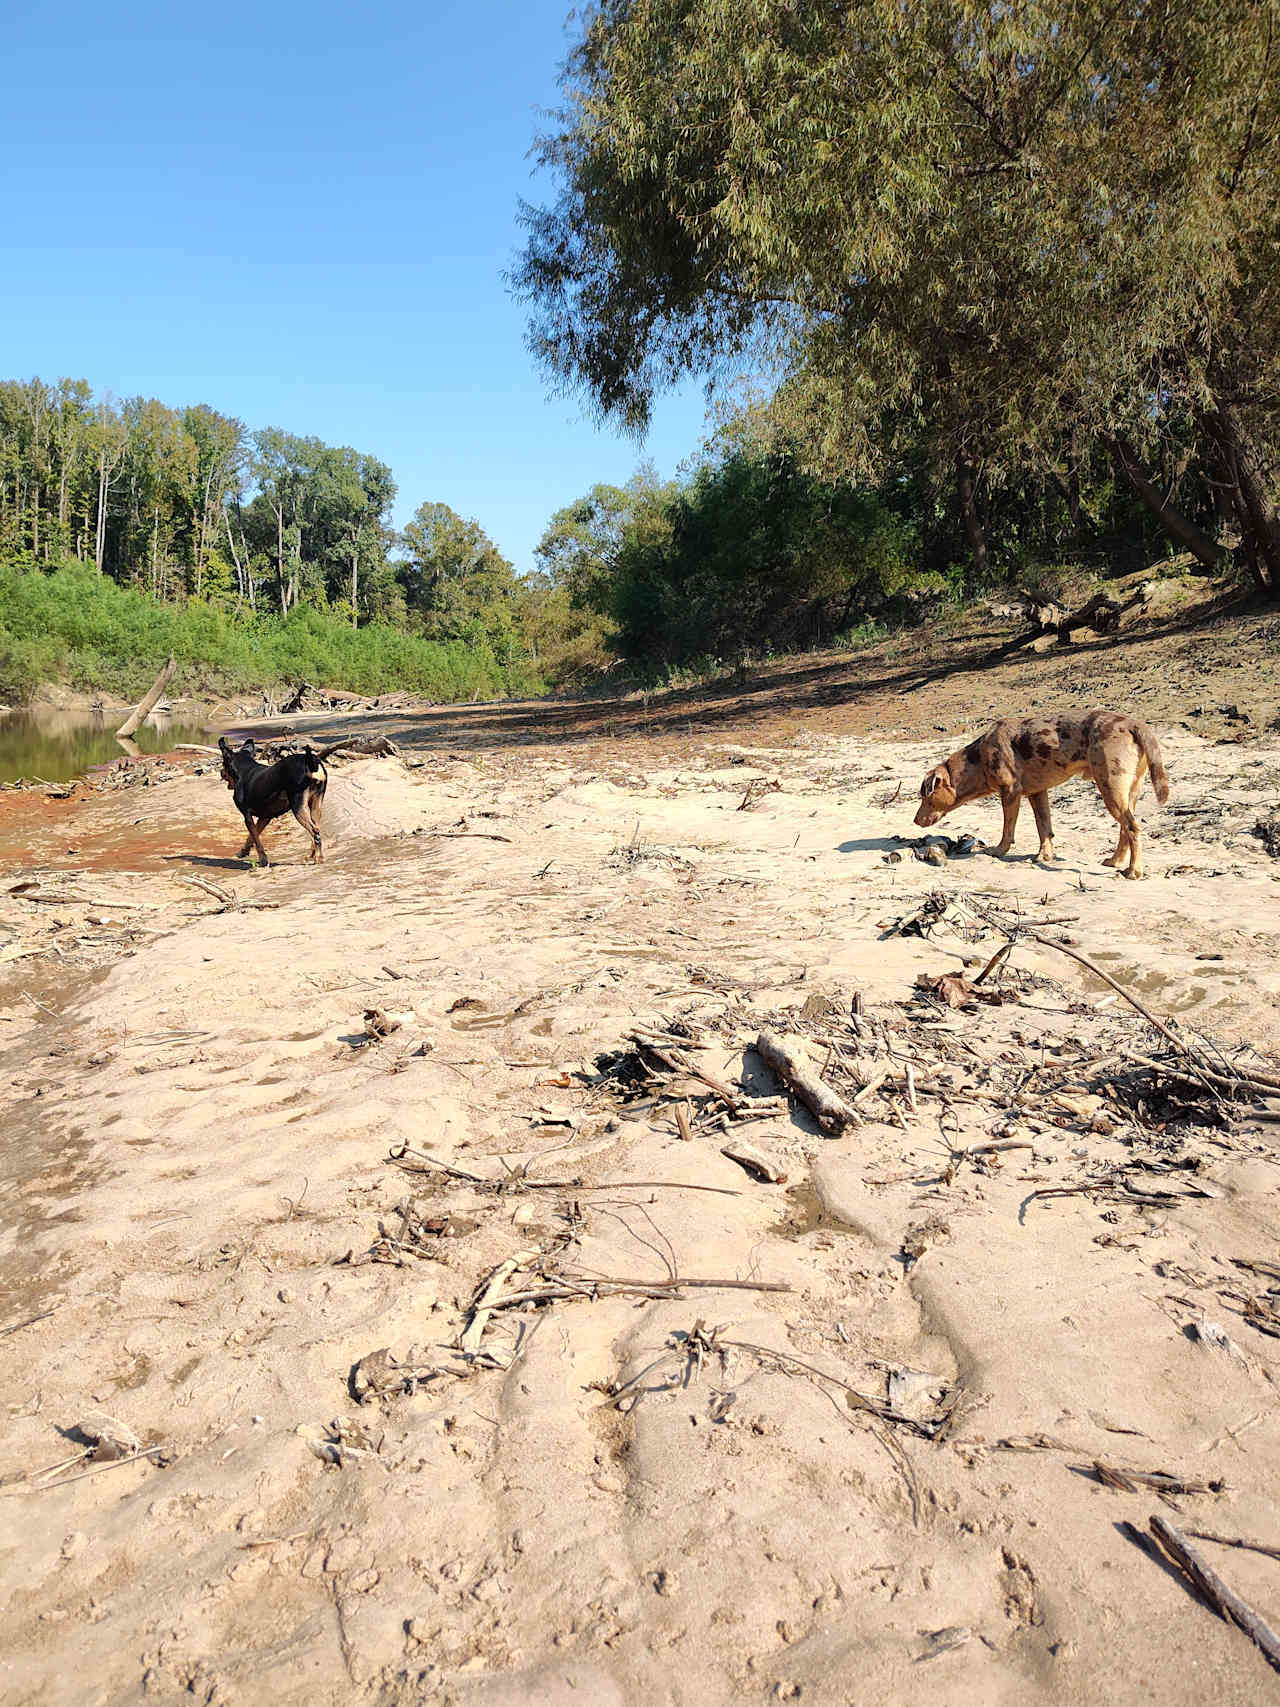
x=301, y=215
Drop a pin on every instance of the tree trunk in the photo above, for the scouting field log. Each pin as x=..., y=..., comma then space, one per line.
x=1174, y=523
x=972, y=522
x=284, y=588
x=355, y=560
x=1069, y=489
x=241, y=587
x=139, y=712
x=100, y=534
x=1260, y=525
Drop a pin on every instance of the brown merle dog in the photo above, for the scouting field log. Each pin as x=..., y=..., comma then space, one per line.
x=294, y=784
x=1031, y=757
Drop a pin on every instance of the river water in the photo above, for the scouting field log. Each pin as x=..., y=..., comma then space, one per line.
x=55, y=746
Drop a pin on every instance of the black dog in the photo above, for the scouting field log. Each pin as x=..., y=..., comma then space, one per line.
x=294, y=784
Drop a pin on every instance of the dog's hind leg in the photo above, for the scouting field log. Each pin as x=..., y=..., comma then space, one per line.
x=303, y=812
x=1117, y=798
x=1044, y=825
x=1011, y=802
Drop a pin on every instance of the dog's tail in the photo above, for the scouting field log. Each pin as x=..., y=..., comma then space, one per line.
x=1151, y=748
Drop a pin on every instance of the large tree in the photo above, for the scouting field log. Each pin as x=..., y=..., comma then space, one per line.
x=455, y=578
x=1020, y=223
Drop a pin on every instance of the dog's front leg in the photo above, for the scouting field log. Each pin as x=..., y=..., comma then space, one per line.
x=255, y=840
x=1044, y=825
x=1011, y=801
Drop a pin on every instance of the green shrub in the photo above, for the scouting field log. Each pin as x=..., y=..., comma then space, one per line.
x=99, y=636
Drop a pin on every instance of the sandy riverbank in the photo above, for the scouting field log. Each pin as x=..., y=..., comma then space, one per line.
x=198, y=1135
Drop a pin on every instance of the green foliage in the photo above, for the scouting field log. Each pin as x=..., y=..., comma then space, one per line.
x=454, y=577
x=74, y=623
x=751, y=554
x=988, y=233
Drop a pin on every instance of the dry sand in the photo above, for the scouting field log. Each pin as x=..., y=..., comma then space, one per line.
x=196, y=1138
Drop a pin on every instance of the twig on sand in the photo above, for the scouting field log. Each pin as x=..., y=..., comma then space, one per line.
x=15, y=1327
x=516, y=1181
x=1192, y=1054
x=1016, y=933
x=1127, y=1480
x=1224, y=1600
x=1236, y=1541
x=209, y=888
x=559, y=1285
x=678, y=1062
x=485, y=1300
x=94, y=1470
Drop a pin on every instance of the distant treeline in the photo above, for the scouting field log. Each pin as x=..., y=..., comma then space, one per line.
x=130, y=529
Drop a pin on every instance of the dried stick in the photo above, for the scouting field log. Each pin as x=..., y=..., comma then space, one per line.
x=681, y=1280
x=831, y=1112
x=1187, y=1050
x=423, y=1163
x=678, y=1062
x=96, y=1470
x=1243, y=1079
x=587, y=1286
x=209, y=889
x=1236, y=1541
x=1223, y=1600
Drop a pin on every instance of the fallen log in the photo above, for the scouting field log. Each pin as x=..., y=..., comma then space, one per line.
x=134, y=721
x=1101, y=613
x=831, y=1111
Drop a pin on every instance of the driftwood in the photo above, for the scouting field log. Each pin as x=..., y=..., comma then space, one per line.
x=486, y=1299
x=1224, y=1601
x=756, y=1162
x=134, y=721
x=1101, y=613
x=831, y=1111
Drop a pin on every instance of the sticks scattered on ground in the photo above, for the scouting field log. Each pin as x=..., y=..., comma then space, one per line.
x=559, y=1285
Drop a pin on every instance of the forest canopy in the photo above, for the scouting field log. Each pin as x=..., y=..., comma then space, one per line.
x=996, y=240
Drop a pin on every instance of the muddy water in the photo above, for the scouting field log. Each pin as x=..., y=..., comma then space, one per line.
x=56, y=746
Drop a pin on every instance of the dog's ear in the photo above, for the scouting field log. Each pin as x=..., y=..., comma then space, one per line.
x=932, y=783
x=224, y=746
x=248, y=749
